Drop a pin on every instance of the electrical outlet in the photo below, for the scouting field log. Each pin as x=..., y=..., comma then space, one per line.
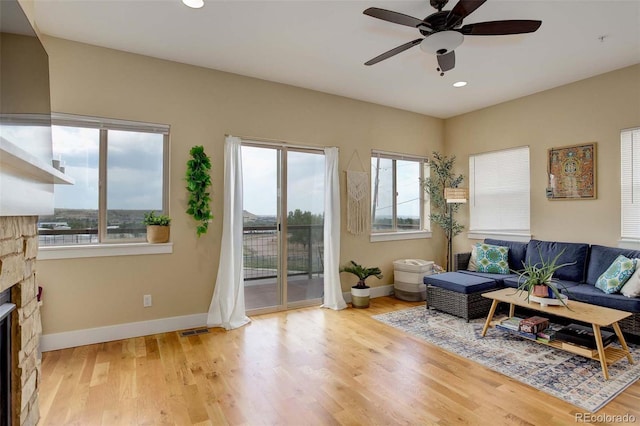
x=146, y=301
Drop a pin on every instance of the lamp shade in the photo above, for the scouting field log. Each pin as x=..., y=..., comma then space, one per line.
x=456, y=195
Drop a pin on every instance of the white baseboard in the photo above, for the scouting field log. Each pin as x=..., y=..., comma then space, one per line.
x=381, y=291
x=90, y=336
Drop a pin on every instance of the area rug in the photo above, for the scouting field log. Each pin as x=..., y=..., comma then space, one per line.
x=566, y=376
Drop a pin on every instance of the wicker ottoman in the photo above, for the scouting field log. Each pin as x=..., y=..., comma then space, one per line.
x=459, y=294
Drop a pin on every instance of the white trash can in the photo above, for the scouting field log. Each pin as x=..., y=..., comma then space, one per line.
x=408, y=277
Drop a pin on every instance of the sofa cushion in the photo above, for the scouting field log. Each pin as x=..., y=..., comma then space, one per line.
x=590, y=294
x=498, y=278
x=575, y=253
x=632, y=286
x=517, y=251
x=601, y=257
x=490, y=258
x=513, y=282
x=616, y=275
x=459, y=282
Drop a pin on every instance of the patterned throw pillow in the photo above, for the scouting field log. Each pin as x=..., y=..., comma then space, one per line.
x=612, y=280
x=632, y=286
x=473, y=260
x=492, y=259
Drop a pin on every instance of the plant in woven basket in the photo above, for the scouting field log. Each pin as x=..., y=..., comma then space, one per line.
x=198, y=180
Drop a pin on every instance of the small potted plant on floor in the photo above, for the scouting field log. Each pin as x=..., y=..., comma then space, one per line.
x=157, y=227
x=537, y=279
x=360, y=293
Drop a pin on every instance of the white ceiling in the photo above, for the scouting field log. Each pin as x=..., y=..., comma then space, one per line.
x=322, y=45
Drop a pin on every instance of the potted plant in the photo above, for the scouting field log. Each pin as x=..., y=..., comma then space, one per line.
x=537, y=279
x=360, y=293
x=157, y=227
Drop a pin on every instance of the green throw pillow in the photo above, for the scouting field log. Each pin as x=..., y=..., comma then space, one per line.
x=492, y=259
x=612, y=280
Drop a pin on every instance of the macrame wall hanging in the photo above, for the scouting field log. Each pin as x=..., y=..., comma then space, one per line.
x=357, y=198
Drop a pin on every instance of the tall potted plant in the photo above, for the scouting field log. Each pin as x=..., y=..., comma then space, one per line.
x=157, y=227
x=443, y=213
x=361, y=292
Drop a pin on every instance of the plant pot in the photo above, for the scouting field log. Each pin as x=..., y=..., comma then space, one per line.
x=360, y=297
x=157, y=234
x=541, y=290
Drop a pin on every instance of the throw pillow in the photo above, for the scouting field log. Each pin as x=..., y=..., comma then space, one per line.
x=612, y=280
x=632, y=286
x=492, y=259
x=473, y=260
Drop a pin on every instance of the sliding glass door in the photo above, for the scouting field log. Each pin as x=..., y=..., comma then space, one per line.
x=283, y=197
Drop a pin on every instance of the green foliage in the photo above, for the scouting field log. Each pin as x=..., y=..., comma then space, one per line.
x=443, y=214
x=540, y=274
x=198, y=180
x=362, y=273
x=151, y=219
x=307, y=235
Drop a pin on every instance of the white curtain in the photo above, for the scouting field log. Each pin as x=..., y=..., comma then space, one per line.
x=227, y=305
x=332, y=289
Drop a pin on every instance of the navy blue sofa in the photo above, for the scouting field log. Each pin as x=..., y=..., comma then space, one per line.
x=577, y=280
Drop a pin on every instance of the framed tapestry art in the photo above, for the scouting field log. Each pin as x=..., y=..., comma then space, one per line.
x=572, y=172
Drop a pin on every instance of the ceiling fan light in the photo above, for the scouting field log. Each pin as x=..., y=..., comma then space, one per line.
x=442, y=42
x=194, y=4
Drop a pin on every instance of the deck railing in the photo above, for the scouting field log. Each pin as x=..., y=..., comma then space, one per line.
x=260, y=247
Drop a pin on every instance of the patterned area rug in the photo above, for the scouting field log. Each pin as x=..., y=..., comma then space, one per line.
x=570, y=377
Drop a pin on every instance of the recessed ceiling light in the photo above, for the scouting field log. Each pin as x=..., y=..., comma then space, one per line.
x=195, y=4
x=459, y=84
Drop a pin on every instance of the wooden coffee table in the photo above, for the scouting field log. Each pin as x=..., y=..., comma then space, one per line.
x=597, y=316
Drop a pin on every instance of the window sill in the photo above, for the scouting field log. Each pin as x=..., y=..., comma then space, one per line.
x=507, y=236
x=398, y=236
x=102, y=250
x=629, y=243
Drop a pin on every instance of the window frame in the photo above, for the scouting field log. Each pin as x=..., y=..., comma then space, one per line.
x=104, y=246
x=629, y=145
x=507, y=234
x=425, y=225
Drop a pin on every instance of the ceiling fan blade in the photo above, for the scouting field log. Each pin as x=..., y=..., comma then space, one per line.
x=447, y=61
x=395, y=17
x=500, y=27
x=461, y=10
x=393, y=52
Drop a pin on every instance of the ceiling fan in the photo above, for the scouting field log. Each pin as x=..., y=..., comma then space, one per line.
x=443, y=30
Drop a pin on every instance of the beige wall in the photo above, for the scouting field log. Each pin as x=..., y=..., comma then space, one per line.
x=591, y=110
x=201, y=105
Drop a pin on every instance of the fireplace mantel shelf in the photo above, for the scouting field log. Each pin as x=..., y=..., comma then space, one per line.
x=12, y=156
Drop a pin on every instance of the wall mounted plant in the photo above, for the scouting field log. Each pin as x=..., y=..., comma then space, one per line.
x=198, y=180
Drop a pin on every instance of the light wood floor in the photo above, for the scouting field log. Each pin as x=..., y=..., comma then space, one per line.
x=309, y=366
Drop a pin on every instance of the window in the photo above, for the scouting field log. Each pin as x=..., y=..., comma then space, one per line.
x=398, y=204
x=120, y=172
x=630, y=186
x=499, y=194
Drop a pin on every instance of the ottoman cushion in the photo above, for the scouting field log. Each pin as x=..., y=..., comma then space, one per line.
x=460, y=283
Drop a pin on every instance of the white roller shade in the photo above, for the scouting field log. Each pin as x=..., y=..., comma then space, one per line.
x=630, y=183
x=499, y=190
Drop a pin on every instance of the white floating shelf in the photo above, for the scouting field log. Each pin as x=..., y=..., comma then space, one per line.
x=14, y=157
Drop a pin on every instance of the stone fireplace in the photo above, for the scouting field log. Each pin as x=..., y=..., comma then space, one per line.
x=18, y=250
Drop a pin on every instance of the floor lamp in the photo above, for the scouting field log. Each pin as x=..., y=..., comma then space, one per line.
x=453, y=196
